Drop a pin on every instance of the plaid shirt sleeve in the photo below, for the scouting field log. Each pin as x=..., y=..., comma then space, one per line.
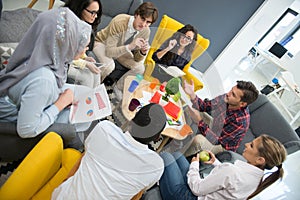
x=202, y=105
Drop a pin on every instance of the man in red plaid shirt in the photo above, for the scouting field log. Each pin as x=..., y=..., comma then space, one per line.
x=231, y=118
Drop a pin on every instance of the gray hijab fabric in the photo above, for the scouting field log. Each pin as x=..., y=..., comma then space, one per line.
x=53, y=40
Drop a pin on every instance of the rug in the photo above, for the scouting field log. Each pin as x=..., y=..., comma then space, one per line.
x=6, y=169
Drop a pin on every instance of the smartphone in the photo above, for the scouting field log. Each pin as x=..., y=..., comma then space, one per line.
x=99, y=64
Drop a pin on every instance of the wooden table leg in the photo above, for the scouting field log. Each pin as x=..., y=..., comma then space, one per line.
x=162, y=144
x=32, y=3
x=124, y=126
x=51, y=3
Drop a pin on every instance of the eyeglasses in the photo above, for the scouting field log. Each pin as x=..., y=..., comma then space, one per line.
x=187, y=38
x=93, y=13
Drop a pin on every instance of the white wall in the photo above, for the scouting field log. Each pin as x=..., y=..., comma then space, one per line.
x=253, y=30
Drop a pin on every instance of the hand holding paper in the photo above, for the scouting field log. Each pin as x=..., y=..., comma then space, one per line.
x=92, y=104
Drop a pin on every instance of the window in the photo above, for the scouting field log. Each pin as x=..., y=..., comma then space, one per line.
x=291, y=42
x=285, y=31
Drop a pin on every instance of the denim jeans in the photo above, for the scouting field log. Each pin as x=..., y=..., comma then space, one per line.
x=173, y=183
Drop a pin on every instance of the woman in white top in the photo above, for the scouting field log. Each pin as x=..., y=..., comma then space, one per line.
x=241, y=180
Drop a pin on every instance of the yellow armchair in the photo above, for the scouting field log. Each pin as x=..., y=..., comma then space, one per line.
x=166, y=28
x=41, y=171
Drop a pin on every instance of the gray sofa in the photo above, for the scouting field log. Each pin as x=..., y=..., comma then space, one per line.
x=14, y=23
x=265, y=118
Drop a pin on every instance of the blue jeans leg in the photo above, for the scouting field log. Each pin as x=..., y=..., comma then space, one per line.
x=182, y=163
x=173, y=183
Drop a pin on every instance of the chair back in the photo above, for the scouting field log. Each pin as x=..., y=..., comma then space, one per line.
x=167, y=27
x=26, y=180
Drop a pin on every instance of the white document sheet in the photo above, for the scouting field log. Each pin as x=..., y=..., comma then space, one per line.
x=173, y=71
x=90, y=104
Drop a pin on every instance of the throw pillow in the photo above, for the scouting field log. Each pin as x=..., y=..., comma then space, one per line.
x=15, y=23
x=5, y=53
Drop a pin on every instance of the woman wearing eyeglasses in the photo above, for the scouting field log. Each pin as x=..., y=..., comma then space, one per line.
x=83, y=71
x=176, y=51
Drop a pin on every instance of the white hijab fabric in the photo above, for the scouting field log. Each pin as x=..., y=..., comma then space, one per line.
x=53, y=40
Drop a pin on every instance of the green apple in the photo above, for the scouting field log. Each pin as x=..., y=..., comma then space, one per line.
x=204, y=156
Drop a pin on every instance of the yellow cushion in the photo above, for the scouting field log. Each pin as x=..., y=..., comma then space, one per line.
x=165, y=30
x=42, y=170
x=35, y=170
x=69, y=158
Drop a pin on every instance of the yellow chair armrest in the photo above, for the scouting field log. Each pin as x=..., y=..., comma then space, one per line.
x=37, y=168
x=197, y=83
x=149, y=65
x=69, y=158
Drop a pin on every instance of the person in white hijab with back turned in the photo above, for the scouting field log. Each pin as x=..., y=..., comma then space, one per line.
x=33, y=92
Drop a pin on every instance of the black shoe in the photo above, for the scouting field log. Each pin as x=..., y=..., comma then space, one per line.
x=108, y=81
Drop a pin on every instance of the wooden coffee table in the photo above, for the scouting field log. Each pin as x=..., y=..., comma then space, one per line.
x=169, y=131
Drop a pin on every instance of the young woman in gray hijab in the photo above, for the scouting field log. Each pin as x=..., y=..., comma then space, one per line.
x=32, y=87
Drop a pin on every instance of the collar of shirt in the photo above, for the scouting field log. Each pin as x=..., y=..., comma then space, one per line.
x=250, y=168
x=130, y=30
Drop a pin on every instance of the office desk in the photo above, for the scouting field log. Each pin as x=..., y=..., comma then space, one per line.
x=168, y=132
x=288, y=85
x=295, y=90
x=270, y=58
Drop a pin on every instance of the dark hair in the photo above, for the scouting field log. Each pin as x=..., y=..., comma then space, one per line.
x=147, y=9
x=274, y=154
x=77, y=6
x=188, y=49
x=250, y=93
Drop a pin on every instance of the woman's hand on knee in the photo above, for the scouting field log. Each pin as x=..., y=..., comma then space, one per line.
x=65, y=99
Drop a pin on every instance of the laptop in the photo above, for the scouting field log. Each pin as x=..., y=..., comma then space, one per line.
x=278, y=50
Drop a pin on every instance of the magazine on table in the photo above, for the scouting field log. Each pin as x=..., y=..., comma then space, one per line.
x=89, y=104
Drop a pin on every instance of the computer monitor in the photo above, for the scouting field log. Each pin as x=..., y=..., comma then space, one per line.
x=278, y=50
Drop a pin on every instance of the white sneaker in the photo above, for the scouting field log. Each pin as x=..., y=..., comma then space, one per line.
x=118, y=93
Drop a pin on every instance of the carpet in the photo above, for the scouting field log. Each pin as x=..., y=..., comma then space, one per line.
x=6, y=170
